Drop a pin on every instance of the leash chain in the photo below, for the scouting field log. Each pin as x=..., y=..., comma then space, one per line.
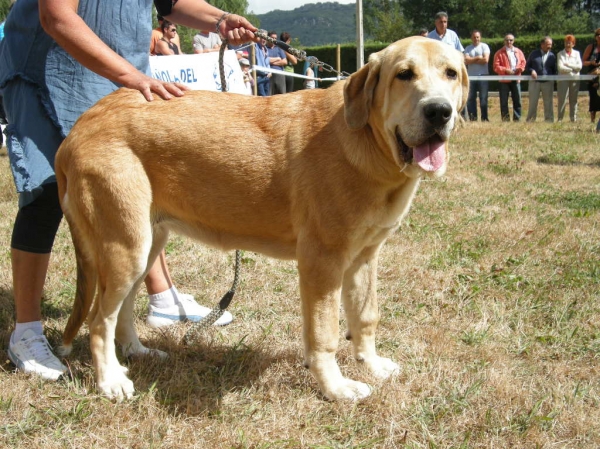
x=191, y=335
x=222, y=65
x=300, y=54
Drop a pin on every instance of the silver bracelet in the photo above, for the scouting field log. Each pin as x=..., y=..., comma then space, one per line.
x=223, y=17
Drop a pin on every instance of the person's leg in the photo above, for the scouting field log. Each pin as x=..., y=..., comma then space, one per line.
x=534, y=97
x=484, y=87
x=167, y=305
x=573, y=99
x=472, y=101
x=562, y=89
x=503, y=90
x=32, y=240
x=515, y=89
x=593, y=98
x=289, y=84
x=158, y=279
x=32, y=142
x=29, y=275
x=547, y=90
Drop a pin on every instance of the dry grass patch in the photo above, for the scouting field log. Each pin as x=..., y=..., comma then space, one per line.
x=489, y=295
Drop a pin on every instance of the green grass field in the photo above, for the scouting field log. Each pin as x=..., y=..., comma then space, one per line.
x=490, y=301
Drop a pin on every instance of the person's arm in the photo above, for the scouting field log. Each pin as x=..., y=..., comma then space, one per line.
x=293, y=60
x=202, y=16
x=497, y=67
x=163, y=48
x=520, y=62
x=485, y=58
x=282, y=61
x=60, y=20
x=577, y=66
x=563, y=65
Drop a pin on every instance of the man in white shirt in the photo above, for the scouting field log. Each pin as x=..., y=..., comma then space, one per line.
x=442, y=33
x=477, y=56
x=206, y=41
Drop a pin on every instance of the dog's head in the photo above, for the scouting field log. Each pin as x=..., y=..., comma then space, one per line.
x=410, y=94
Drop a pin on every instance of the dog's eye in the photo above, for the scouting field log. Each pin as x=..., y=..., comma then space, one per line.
x=452, y=74
x=405, y=75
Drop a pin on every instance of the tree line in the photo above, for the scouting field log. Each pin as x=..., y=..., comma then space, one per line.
x=390, y=20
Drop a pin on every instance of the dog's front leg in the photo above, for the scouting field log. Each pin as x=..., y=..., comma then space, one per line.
x=359, y=294
x=320, y=287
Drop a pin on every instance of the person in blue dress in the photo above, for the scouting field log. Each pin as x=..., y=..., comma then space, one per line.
x=56, y=60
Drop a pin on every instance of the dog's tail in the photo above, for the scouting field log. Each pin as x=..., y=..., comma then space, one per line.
x=86, y=272
x=84, y=295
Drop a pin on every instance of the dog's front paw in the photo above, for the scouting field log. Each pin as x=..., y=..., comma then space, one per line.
x=382, y=367
x=348, y=389
x=117, y=385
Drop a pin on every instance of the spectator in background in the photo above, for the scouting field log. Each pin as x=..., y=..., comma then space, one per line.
x=423, y=32
x=263, y=79
x=308, y=71
x=248, y=80
x=277, y=61
x=569, y=63
x=206, y=42
x=541, y=62
x=591, y=60
x=157, y=34
x=509, y=60
x=165, y=45
x=477, y=56
x=291, y=62
x=442, y=33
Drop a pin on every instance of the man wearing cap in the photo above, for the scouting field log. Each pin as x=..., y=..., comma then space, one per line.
x=248, y=80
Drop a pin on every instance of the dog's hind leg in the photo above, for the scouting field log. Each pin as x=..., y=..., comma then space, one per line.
x=118, y=284
x=359, y=295
x=125, y=332
x=320, y=286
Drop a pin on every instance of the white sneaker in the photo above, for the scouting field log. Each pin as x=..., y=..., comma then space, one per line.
x=33, y=354
x=187, y=309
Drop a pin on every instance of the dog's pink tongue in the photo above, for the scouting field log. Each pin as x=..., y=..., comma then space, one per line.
x=430, y=155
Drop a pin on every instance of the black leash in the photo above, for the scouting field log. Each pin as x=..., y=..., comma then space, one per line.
x=192, y=334
x=216, y=313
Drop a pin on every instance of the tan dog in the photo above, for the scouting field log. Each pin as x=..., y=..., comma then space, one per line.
x=321, y=176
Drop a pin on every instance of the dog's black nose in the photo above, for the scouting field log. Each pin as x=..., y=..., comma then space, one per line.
x=438, y=113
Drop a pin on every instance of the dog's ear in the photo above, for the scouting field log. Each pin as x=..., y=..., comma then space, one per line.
x=358, y=93
x=465, y=87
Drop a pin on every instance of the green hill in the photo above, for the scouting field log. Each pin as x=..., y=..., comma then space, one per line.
x=314, y=24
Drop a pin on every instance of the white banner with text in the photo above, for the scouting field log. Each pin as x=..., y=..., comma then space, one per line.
x=199, y=72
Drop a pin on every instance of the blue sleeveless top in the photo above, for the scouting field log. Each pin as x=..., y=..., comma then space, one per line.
x=67, y=89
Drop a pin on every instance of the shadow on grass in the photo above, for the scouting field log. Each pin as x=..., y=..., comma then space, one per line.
x=194, y=379
x=564, y=161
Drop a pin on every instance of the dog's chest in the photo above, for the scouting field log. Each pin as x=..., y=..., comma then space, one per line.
x=385, y=219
